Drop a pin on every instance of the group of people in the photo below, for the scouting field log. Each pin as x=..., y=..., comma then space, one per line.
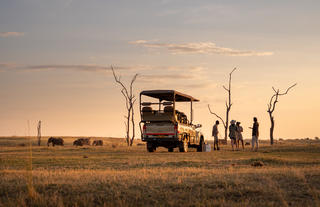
x=235, y=134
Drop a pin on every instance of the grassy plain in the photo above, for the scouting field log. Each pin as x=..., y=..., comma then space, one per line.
x=116, y=175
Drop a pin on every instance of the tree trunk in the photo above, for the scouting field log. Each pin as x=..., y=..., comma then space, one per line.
x=225, y=133
x=133, y=126
x=227, y=125
x=271, y=129
x=39, y=133
x=128, y=128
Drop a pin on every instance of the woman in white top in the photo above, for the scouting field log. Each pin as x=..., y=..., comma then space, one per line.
x=239, y=135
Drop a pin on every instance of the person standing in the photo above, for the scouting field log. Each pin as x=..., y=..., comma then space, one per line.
x=239, y=136
x=215, y=133
x=233, y=133
x=255, y=134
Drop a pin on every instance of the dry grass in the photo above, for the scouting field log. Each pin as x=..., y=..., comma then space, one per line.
x=122, y=176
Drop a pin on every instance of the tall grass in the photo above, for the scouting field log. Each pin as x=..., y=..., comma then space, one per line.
x=123, y=176
x=29, y=176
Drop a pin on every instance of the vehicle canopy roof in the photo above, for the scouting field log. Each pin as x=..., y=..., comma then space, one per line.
x=168, y=95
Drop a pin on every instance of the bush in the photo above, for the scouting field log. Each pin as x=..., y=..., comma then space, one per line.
x=257, y=164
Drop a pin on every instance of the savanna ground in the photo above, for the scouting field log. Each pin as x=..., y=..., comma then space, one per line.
x=116, y=175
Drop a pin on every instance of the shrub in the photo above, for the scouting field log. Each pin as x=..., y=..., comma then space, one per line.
x=257, y=164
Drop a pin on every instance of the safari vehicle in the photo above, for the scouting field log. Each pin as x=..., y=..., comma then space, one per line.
x=163, y=126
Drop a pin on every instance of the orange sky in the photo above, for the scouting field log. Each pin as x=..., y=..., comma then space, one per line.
x=55, y=59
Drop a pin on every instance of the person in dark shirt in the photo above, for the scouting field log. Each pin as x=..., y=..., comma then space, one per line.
x=215, y=132
x=233, y=133
x=255, y=134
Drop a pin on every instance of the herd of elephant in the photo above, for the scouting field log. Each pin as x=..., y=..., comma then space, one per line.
x=79, y=142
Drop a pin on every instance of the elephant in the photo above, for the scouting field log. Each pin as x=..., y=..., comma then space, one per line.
x=97, y=143
x=81, y=142
x=55, y=141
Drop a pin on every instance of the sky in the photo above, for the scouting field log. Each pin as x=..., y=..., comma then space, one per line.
x=55, y=59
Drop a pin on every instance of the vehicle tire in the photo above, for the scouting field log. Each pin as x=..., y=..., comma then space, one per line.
x=183, y=146
x=201, y=145
x=170, y=149
x=150, y=147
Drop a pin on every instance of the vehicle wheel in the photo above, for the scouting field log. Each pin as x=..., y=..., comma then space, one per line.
x=201, y=145
x=150, y=147
x=170, y=149
x=183, y=146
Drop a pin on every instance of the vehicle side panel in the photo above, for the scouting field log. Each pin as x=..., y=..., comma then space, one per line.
x=166, y=131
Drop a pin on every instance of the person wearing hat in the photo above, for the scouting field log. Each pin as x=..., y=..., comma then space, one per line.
x=239, y=135
x=233, y=133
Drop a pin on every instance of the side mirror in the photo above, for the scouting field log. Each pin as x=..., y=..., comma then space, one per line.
x=198, y=126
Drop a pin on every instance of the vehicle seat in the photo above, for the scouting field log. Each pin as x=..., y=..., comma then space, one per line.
x=147, y=113
x=146, y=109
x=168, y=113
x=168, y=109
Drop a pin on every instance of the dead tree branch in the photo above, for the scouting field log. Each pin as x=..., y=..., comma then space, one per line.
x=272, y=105
x=228, y=106
x=219, y=117
x=129, y=101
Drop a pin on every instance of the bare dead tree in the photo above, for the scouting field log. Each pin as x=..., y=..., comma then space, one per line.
x=39, y=133
x=228, y=107
x=130, y=99
x=272, y=106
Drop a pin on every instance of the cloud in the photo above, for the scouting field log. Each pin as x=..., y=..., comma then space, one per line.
x=199, y=48
x=190, y=77
x=86, y=68
x=75, y=67
x=5, y=66
x=11, y=34
x=89, y=68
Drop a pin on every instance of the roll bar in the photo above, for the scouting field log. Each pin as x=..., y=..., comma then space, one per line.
x=171, y=96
